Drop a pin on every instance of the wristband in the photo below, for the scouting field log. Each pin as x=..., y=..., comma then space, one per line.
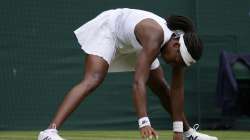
x=144, y=121
x=178, y=126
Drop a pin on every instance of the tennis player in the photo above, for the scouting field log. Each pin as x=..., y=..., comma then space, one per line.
x=131, y=40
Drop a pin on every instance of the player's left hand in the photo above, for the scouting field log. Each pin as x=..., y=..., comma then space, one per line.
x=147, y=132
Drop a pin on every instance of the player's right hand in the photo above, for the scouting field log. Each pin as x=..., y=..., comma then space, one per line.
x=147, y=132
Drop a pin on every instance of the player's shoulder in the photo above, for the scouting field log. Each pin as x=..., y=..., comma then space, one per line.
x=148, y=29
x=149, y=23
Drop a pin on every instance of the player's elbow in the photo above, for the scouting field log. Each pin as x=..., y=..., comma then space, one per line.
x=137, y=85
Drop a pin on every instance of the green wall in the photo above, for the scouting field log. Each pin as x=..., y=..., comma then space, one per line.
x=40, y=60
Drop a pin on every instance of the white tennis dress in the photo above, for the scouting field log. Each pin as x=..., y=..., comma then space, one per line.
x=111, y=36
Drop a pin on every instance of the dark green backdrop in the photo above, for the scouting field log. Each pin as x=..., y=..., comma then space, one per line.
x=40, y=60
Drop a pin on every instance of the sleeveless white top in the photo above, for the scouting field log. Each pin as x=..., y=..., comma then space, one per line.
x=111, y=36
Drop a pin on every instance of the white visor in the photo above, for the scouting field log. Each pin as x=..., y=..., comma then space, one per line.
x=186, y=56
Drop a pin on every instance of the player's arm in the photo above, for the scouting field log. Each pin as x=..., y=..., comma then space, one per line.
x=177, y=100
x=150, y=35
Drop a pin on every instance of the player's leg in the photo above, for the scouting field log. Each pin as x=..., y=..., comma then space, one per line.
x=96, y=69
x=159, y=86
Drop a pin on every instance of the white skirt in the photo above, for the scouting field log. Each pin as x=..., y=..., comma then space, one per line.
x=97, y=37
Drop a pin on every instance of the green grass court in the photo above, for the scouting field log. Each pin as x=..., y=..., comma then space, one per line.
x=116, y=135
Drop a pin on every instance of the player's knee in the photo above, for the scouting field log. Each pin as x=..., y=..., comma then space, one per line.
x=92, y=81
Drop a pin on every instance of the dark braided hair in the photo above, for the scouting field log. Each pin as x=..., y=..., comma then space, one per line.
x=183, y=23
x=191, y=39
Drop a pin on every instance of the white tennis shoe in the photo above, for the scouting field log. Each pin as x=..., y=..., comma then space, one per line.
x=192, y=134
x=49, y=134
